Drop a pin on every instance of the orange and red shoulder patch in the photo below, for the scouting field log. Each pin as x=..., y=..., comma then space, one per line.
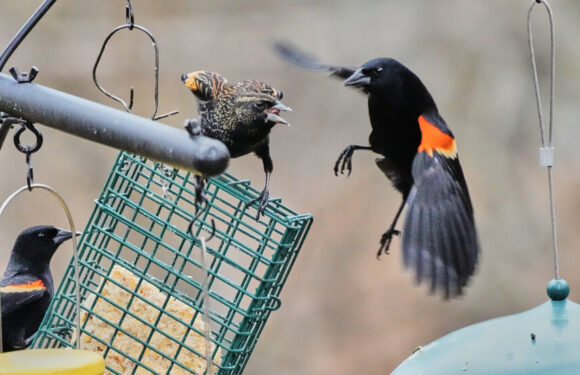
x=26, y=287
x=433, y=139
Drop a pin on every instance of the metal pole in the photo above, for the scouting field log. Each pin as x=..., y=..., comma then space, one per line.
x=23, y=32
x=4, y=128
x=112, y=127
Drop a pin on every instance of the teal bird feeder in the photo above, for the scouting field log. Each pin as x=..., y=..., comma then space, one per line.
x=543, y=340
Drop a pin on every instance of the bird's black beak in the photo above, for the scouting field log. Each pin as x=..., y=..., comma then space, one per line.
x=273, y=114
x=63, y=235
x=357, y=79
x=183, y=78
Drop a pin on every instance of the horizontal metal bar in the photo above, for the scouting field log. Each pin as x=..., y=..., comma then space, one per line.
x=112, y=127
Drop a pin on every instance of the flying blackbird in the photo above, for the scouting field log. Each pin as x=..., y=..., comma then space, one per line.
x=420, y=158
x=240, y=115
x=26, y=288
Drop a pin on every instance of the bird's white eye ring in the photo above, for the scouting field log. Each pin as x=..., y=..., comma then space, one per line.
x=40, y=235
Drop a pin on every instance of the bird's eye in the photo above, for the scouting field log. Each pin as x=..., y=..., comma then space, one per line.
x=371, y=72
x=260, y=105
x=40, y=235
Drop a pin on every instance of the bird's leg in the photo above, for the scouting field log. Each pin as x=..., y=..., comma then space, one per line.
x=264, y=153
x=263, y=198
x=344, y=160
x=388, y=235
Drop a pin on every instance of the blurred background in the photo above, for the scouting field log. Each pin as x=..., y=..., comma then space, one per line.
x=343, y=311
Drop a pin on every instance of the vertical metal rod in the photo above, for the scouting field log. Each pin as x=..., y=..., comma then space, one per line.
x=4, y=128
x=23, y=32
x=206, y=309
x=546, y=147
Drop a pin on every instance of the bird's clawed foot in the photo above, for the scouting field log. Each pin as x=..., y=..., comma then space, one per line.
x=263, y=199
x=386, y=239
x=344, y=161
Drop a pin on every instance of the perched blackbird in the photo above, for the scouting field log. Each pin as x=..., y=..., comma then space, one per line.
x=420, y=158
x=26, y=288
x=240, y=115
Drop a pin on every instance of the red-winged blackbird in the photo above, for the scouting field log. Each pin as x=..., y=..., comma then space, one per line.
x=27, y=288
x=240, y=115
x=439, y=236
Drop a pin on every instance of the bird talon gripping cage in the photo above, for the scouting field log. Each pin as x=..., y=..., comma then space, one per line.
x=141, y=273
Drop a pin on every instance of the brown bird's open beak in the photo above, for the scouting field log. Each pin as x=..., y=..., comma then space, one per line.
x=273, y=113
x=357, y=79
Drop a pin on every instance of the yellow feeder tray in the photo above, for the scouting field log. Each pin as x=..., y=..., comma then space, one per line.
x=51, y=362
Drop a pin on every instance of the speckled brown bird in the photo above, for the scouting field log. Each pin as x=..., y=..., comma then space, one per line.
x=240, y=115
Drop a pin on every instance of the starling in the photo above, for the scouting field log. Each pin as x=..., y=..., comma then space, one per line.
x=420, y=159
x=240, y=115
x=27, y=288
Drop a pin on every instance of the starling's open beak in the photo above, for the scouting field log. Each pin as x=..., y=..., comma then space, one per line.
x=63, y=235
x=357, y=79
x=272, y=114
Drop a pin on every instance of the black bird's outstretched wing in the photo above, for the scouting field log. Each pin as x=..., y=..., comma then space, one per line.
x=439, y=236
x=297, y=57
x=19, y=291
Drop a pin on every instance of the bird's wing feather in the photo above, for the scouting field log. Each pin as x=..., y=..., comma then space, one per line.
x=439, y=237
x=295, y=56
x=20, y=290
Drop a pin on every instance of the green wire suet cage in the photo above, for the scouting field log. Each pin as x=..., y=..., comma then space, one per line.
x=139, y=223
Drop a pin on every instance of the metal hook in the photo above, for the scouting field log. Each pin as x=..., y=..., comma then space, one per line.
x=199, y=200
x=28, y=150
x=129, y=15
x=198, y=214
x=546, y=147
x=130, y=18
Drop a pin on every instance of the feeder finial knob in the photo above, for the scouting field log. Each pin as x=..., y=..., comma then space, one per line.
x=558, y=289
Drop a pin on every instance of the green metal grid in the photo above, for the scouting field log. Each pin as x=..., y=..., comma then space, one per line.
x=140, y=222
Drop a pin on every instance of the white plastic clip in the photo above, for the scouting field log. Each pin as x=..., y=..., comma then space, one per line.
x=546, y=156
